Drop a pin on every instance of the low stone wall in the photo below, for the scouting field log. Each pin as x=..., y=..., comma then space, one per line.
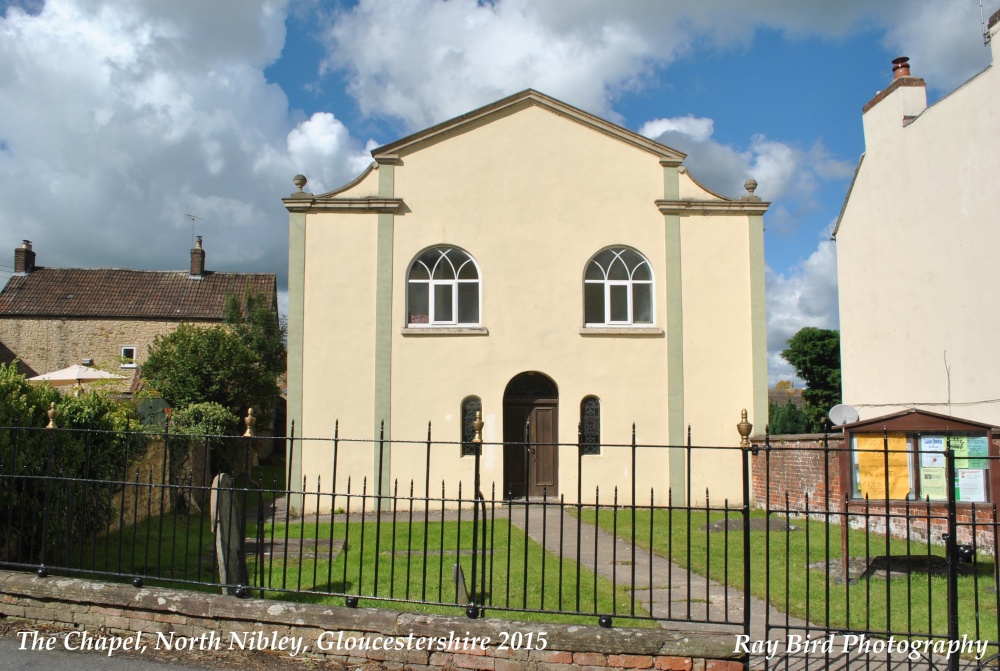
x=116, y=610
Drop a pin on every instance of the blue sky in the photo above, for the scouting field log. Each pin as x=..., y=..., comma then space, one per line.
x=117, y=117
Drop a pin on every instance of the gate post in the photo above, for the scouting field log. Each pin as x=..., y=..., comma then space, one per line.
x=744, y=428
x=951, y=554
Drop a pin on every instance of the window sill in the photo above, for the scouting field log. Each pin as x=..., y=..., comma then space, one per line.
x=444, y=331
x=647, y=331
x=128, y=365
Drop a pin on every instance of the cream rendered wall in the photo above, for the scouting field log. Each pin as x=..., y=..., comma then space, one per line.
x=718, y=353
x=532, y=228
x=916, y=254
x=339, y=325
x=532, y=197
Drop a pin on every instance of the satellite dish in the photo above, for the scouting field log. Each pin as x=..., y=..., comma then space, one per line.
x=843, y=414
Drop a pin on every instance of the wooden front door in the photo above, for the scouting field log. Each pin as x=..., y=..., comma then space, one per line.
x=531, y=452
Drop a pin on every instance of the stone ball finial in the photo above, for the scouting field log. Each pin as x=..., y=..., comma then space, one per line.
x=299, y=181
x=750, y=185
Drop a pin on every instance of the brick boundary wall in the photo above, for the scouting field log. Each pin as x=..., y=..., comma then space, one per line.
x=797, y=469
x=120, y=609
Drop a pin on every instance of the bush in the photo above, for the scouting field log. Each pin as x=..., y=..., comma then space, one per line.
x=208, y=426
x=72, y=471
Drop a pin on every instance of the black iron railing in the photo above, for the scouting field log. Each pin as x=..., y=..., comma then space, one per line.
x=141, y=507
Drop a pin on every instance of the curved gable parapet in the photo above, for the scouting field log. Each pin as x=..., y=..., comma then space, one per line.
x=512, y=105
x=695, y=198
x=357, y=187
x=692, y=189
x=358, y=196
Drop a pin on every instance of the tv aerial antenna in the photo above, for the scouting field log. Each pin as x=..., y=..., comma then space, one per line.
x=982, y=19
x=192, y=218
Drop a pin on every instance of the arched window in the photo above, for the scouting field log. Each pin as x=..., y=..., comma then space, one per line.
x=470, y=406
x=442, y=289
x=590, y=425
x=618, y=289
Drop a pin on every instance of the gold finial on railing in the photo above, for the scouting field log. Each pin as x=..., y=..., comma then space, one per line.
x=53, y=413
x=249, y=420
x=477, y=427
x=744, y=427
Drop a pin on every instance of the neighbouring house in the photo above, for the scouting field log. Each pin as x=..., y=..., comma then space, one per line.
x=52, y=318
x=916, y=245
x=560, y=274
x=785, y=395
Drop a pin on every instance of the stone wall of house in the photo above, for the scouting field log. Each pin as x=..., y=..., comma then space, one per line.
x=354, y=637
x=45, y=345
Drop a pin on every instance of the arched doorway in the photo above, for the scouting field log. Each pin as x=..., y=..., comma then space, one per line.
x=531, y=436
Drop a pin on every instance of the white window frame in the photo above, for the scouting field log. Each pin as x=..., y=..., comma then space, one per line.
x=432, y=285
x=628, y=284
x=135, y=355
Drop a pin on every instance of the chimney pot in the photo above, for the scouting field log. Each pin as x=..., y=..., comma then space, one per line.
x=24, y=258
x=900, y=67
x=197, y=260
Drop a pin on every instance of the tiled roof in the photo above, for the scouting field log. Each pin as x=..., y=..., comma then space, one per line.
x=135, y=294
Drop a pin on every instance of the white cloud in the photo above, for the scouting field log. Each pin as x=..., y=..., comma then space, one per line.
x=943, y=39
x=116, y=118
x=805, y=296
x=699, y=129
x=786, y=174
x=469, y=52
x=312, y=144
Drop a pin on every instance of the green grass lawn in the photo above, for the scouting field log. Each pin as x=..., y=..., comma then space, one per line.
x=163, y=550
x=395, y=557
x=178, y=549
x=916, y=603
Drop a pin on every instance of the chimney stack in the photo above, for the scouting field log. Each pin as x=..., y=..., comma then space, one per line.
x=24, y=258
x=900, y=67
x=897, y=105
x=197, y=260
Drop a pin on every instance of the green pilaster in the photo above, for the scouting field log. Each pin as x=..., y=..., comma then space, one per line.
x=758, y=322
x=675, y=338
x=383, y=331
x=296, y=312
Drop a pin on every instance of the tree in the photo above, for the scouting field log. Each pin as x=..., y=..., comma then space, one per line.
x=256, y=324
x=209, y=365
x=785, y=419
x=815, y=355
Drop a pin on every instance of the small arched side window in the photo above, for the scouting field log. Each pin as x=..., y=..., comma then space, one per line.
x=618, y=289
x=590, y=425
x=470, y=406
x=442, y=289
